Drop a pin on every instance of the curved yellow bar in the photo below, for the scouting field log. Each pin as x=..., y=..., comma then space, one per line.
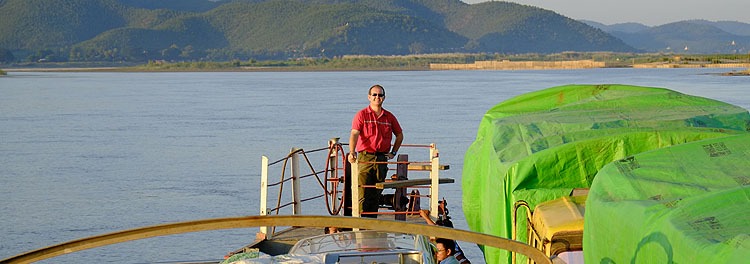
x=256, y=221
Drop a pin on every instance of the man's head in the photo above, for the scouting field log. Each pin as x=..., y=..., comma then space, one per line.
x=376, y=95
x=330, y=229
x=445, y=248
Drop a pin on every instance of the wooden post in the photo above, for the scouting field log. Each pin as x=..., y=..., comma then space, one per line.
x=297, y=207
x=435, y=184
x=264, y=193
x=356, y=211
x=347, y=187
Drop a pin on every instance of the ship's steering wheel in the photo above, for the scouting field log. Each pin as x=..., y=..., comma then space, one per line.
x=335, y=181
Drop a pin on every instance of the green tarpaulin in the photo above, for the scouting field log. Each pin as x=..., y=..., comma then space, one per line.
x=539, y=146
x=683, y=204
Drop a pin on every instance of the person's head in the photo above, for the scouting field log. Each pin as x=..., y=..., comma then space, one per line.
x=376, y=95
x=331, y=229
x=445, y=248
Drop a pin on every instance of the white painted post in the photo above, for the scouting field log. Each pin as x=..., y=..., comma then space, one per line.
x=435, y=180
x=264, y=193
x=296, y=194
x=356, y=211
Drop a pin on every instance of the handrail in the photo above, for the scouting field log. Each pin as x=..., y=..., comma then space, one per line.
x=516, y=206
x=283, y=170
x=395, y=162
x=294, y=152
x=315, y=173
x=256, y=221
x=297, y=201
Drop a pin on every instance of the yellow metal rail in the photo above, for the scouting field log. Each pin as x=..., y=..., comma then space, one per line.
x=257, y=221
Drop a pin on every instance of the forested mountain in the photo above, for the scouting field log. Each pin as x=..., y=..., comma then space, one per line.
x=630, y=27
x=511, y=28
x=276, y=28
x=178, y=5
x=36, y=24
x=691, y=36
x=280, y=29
x=734, y=27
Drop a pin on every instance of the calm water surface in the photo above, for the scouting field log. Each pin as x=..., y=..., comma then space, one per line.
x=83, y=154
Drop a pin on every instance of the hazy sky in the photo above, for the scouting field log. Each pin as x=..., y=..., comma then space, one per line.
x=649, y=12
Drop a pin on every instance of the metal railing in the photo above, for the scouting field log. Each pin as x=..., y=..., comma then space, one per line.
x=336, y=170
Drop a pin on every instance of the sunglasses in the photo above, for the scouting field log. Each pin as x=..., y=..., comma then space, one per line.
x=378, y=95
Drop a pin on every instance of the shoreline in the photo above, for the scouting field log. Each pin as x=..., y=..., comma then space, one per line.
x=524, y=65
x=237, y=69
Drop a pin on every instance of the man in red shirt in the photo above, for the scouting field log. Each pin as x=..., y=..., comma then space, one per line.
x=372, y=131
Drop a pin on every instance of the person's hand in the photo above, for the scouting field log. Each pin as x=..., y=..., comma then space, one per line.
x=390, y=156
x=424, y=213
x=352, y=157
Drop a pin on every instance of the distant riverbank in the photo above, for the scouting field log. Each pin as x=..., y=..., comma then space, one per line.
x=516, y=66
x=67, y=69
x=422, y=62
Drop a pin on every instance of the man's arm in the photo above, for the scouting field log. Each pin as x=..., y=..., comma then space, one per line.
x=426, y=215
x=396, y=145
x=352, y=156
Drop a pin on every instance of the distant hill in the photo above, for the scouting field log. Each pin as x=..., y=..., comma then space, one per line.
x=177, y=5
x=36, y=24
x=512, y=28
x=698, y=36
x=734, y=27
x=289, y=27
x=227, y=29
x=629, y=27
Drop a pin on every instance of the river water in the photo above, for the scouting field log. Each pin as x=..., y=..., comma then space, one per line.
x=84, y=154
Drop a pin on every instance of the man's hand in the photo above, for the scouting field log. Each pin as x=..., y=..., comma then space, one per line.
x=352, y=157
x=426, y=215
x=390, y=156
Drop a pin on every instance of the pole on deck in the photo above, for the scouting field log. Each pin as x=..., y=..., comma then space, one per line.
x=356, y=196
x=435, y=181
x=296, y=194
x=264, y=193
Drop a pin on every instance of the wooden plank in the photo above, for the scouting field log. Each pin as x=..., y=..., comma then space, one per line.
x=256, y=221
x=406, y=183
x=428, y=167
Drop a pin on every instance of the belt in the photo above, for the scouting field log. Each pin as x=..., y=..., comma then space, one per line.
x=374, y=153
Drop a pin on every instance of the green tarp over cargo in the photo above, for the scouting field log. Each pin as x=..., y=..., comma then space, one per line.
x=683, y=204
x=539, y=146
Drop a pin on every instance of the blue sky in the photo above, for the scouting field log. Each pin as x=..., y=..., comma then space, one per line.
x=648, y=12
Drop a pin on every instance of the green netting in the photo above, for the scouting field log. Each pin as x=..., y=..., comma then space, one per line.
x=539, y=146
x=683, y=204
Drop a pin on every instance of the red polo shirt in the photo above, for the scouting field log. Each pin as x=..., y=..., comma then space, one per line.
x=375, y=132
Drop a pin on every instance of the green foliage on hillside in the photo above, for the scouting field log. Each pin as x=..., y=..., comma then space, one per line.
x=180, y=5
x=286, y=28
x=38, y=24
x=140, y=30
x=510, y=28
x=6, y=56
